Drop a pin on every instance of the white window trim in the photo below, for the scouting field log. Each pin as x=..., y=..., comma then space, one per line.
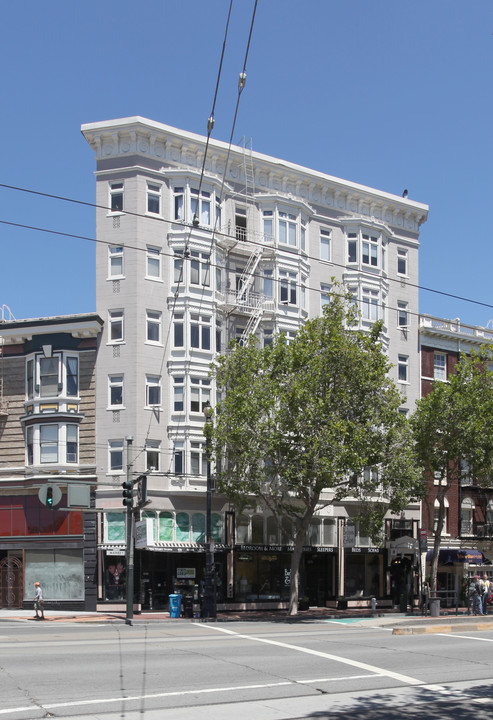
x=156, y=193
x=116, y=314
x=118, y=251
x=154, y=318
x=116, y=384
x=153, y=253
x=153, y=381
x=114, y=189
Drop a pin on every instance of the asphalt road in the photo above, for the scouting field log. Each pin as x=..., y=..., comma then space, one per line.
x=240, y=670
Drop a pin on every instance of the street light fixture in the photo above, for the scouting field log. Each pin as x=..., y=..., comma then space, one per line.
x=209, y=602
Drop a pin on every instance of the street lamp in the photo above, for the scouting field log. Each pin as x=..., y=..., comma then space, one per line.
x=209, y=602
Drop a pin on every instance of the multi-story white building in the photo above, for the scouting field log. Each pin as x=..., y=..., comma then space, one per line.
x=189, y=260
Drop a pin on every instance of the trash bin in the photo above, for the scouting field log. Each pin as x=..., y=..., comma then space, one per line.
x=434, y=607
x=175, y=605
x=188, y=606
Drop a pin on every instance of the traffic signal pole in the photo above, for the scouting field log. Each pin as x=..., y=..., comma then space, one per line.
x=130, y=540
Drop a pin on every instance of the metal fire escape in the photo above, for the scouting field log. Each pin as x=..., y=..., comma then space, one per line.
x=247, y=302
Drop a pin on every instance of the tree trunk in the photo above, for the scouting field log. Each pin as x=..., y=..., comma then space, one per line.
x=437, y=542
x=295, y=573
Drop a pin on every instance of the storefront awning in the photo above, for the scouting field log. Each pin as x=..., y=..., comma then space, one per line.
x=457, y=555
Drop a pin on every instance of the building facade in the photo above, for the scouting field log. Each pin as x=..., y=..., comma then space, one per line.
x=47, y=461
x=467, y=539
x=200, y=244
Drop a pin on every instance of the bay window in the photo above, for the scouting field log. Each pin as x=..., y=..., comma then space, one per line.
x=153, y=263
x=200, y=393
x=153, y=390
x=200, y=332
x=153, y=198
x=153, y=319
x=287, y=287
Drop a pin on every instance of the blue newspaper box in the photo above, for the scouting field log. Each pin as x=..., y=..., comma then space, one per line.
x=175, y=605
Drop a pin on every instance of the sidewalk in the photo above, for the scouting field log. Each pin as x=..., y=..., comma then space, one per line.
x=448, y=621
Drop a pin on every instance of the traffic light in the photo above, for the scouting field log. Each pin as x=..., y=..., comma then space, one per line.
x=128, y=491
x=49, y=496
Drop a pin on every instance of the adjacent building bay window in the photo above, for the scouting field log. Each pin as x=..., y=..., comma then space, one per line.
x=116, y=197
x=153, y=319
x=48, y=443
x=48, y=376
x=153, y=263
x=115, y=455
x=153, y=198
x=115, y=261
x=72, y=445
x=179, y=203
x=200, y=332
x=52, y=443
x=178, y=267
x=115, y=321
x=268, y=283
x=153, y=390
x=115, y=391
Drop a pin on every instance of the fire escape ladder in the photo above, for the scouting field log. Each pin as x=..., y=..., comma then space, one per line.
x=248, y=275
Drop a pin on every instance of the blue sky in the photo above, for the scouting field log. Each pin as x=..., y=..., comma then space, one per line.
x=393, y=94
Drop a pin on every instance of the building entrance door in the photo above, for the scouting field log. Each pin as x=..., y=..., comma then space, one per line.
x=11, y=589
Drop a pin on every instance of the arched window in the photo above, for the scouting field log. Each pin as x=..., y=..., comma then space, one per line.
x=217, y=527
x=242, y=529
x=198, y=527
x=165, y=527
x=272, y=531
x=314, y=532
x=182, y=527
x=257, y=529
x=329, y=532
x=152, y=515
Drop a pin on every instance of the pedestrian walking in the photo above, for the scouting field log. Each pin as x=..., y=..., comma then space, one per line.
x=38, y=602
x=477, y=595
x=486, y=593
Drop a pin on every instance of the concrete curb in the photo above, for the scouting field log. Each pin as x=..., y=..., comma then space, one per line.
x=455, y=627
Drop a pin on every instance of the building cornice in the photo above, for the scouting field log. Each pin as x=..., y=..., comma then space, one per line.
x=138, y=135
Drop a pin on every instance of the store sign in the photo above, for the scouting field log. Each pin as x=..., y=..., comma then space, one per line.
x=144, y=533
x=185, y=573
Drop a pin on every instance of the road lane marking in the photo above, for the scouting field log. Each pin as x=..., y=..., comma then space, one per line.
x=465, y=637
x=328, y=656
x=176, y=693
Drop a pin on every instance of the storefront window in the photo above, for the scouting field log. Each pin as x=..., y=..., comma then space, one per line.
x=114, y=577
x=60, y=572
x=263, y=576
x=364, y=575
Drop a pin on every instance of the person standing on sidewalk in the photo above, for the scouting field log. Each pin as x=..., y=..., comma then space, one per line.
x=476, y=595
x=38, y=602
x=486, y=593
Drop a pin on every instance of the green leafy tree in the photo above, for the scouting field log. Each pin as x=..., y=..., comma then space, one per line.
x=298, y=423
x=453, y=430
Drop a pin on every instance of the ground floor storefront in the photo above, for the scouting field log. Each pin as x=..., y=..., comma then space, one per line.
x=254, y=576
x=54, y=547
